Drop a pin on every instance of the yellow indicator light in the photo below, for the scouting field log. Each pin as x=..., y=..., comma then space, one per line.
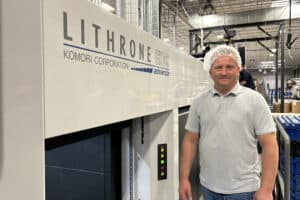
x=162, y=155
x=162, y=149
x=162, y=173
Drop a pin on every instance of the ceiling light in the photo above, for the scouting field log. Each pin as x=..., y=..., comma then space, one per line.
x=107, y=7
x=166, y=40
x=220, y=36
x=278, y=4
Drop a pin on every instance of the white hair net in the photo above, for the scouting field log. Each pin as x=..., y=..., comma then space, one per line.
x=222, y=50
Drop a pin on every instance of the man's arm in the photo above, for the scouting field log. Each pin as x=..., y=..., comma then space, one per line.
x=269, y=165
x=188, y=151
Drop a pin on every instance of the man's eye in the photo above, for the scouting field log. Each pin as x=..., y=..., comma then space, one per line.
x=230, y=67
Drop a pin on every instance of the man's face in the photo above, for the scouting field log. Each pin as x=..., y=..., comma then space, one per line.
x=224, y=71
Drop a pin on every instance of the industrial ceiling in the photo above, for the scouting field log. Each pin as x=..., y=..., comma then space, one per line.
x=177, y=19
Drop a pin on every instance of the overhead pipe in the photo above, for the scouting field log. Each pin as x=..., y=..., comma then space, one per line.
x=155, y=17
x=128, y=10
x=152, y=17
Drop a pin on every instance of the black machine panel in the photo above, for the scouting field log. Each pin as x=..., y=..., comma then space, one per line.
x=85, y=165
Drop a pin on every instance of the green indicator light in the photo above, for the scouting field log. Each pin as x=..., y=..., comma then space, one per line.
x=162, y=162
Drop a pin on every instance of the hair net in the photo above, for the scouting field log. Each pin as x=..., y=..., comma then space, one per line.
x=222, y=50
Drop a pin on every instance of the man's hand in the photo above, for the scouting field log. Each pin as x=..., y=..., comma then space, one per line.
x=185, y=191
x=263, y=195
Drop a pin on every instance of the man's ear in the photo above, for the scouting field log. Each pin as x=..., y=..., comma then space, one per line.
x=240, y=68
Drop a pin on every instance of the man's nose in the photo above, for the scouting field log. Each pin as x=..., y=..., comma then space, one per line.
x=224, y=70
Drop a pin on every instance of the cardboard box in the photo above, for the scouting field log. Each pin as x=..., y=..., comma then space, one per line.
x=287, y=107
x=295, y=107
x=276, y=107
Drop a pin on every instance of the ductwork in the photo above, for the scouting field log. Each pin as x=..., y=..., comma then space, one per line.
x=152, y=18
x=128, y=10
x=142, y=13
x=263, y=15
x=96, y=2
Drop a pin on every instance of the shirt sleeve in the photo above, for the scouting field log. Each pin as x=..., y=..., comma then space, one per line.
x=263, y=121
x=193, y=121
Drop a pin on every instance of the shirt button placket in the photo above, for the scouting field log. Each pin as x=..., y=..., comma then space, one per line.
x=222, y=104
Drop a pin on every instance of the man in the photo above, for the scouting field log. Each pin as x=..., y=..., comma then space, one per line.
x=226, y=122
x=246, y=79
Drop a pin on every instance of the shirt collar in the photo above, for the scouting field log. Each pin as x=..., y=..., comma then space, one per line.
x=234, y=92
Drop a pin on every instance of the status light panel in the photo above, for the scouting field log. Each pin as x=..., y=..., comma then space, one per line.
x=162, y=161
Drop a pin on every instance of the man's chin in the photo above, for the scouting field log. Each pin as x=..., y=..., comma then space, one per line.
x=225, y=84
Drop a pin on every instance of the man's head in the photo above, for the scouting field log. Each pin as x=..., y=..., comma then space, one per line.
x=222, y=50
x=224, y=64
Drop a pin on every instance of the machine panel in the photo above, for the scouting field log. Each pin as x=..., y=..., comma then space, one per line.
x=100, y=69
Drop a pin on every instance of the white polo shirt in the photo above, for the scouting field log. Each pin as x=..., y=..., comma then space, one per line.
x=228, y=127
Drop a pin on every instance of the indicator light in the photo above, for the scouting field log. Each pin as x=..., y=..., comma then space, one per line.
x=162, y=161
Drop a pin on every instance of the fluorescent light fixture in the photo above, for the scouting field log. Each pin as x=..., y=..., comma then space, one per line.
x=210, y=19
x=204, y=21
x=269, y=64
x=279, y=3
x=266, y=64
x=166, y=40
x=220, y=36
x=107, y=7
